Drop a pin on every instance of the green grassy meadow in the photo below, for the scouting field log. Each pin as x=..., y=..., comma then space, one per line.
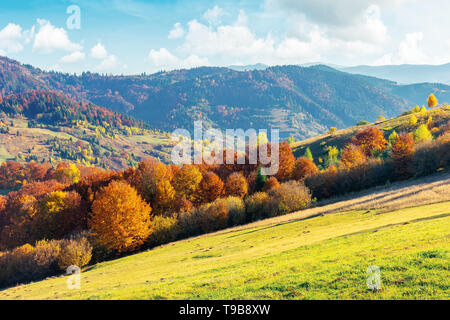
x=325, y=257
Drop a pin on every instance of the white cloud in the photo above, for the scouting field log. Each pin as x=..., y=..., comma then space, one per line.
x=237, y=43
x=213, y=15
x=98, y=51
x=176, y=32
x=50, y=38
x=162, y=59
x=331, y=12
x=73, y=57
x=11, y=38
x=109, y=63
x=409, y=51
x=233, y=40
x=368, y=28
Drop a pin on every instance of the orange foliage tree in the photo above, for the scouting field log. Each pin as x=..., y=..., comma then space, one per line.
x=352, y=156
x=120, y=219
x=271, y=183
x=286, y=162
x=402, y=151
x=210, y=188
x=370, y=140
x=304, y=168
x=236, y=185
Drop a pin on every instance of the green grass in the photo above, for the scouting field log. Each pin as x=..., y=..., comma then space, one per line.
x=325, y=257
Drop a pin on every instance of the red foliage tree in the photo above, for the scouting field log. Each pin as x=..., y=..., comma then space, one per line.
x=370, y=140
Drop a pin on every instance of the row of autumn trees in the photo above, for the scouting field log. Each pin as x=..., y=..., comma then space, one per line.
x=156, y=203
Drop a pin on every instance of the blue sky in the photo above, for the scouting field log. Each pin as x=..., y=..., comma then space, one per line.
x=135, y=36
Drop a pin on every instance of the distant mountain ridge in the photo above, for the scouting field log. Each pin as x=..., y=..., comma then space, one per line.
x=405, y=74
x=299, y=101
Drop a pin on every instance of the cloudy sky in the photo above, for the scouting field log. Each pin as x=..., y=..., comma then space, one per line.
x=135, y=36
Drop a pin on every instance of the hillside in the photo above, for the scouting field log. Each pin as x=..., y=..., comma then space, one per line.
x=406, y=73
x=301, y=102
x=318, y=145
x=48, y=126
x=305, y=255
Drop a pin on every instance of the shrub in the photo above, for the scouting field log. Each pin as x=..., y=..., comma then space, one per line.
x=214, y=216
x=120, y=219
x=27, y=263
x=290, y=196
x=431, y=156
x=255, y=206
x=165, y=230
x=46, y=256
x=190, y=222
x=333, y=182
x=236, y=210
x=75, y=251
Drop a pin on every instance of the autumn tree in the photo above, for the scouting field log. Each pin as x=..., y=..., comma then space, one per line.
x=380, y=118
x=332, y=155
x=402, y=151
x=186, y=181
x=67, y=173
x=423, y=111
x=164, y=199
x=286, y=162
x=304, y=168
x=392, y=137
x=352, y=156
x=422, y=134
x=332, y=130
x=210, y=188
x=236, y=185
x=432, y=101
x=270, y=184
x=412, y=120
x=308, y=154
x=148, y=175
x=370, y=140
x=120, y=219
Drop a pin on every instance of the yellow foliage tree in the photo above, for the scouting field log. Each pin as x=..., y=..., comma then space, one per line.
x=164, y=198
x=413, y=120
x=332, y=130
x=432, y=101
x=120, y=219
x=186, y=181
